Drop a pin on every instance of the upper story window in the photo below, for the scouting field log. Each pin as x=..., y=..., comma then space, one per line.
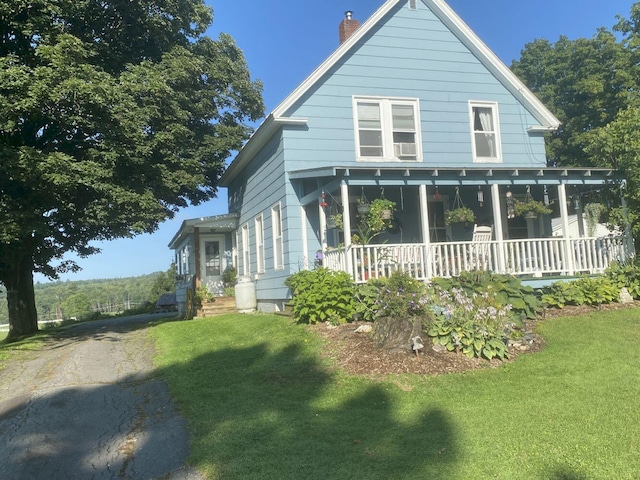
x=387, y=129
x=485, y=130
x=413, y=4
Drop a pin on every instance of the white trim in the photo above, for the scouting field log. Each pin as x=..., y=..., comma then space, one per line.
x=278, y=240
x=246, y=250
x=386, y=125
x=495, y=115
x=259, y=226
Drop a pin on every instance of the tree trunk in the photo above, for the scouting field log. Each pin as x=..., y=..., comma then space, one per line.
x=23, y=318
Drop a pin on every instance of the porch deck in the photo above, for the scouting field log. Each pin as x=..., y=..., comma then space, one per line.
x=527, y=257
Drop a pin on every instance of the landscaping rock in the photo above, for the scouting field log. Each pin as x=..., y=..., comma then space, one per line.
x=364, y=328
x=625, y=296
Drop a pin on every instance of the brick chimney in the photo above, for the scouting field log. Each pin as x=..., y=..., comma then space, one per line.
x=347, y=26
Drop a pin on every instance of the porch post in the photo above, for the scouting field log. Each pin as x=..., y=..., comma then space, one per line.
x=196, y=253
x=346, y=220
x=323, y=227
x=497, y=225
x=305, y=240
x=564, y=215
x=424, y=220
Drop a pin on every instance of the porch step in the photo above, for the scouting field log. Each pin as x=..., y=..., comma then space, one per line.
x=219, y=306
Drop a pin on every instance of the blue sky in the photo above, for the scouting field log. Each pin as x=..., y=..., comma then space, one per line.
x=285, y=40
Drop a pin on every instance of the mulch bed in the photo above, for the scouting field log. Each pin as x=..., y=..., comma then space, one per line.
x=356, y=354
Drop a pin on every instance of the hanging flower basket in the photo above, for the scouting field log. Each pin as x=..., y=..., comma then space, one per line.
x=459, y=215
x=334, y=221
x=363, y=208
x=530, y=209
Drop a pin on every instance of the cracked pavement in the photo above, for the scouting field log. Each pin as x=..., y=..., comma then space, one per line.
x=88, y=406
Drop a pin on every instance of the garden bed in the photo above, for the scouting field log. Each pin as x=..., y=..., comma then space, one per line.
x=356, y=354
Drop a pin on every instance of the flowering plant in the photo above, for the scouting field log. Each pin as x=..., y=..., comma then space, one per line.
x=474, y=324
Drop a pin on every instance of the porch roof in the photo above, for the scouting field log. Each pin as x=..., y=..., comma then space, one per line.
x=476, y=175
x=215, y=224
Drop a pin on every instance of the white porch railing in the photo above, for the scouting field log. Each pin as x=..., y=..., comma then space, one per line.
x=535, y=257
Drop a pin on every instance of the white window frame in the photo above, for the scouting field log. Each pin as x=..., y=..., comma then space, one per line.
x=277, y=233
x=259, y=224
x=497, y=158
x=389, y=150
x=246, y=251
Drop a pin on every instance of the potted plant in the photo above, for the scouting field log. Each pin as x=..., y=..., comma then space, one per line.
x=380, y=214
x=363, y=204
x=335, y=220
x=530, y=208
x=593, y=212
x=459, y=215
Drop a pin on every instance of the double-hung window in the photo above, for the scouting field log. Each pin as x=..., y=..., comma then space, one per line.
x=276, y=226
x=387, y=129
x=485, y=132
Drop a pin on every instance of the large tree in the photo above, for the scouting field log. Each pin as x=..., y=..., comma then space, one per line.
x=593, y=87
x=113, y=115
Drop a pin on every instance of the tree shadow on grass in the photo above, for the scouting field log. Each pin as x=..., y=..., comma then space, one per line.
x=262, y=414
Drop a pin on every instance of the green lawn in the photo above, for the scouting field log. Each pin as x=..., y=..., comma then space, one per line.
x=263, y=404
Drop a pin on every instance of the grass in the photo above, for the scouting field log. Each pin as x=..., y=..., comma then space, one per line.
x=262, y=403
x=20, y=348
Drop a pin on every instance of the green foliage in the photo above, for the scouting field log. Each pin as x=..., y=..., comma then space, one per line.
x=112, y=119
x=367, y=295
x=626, y=275
x=77, y=305
x=372, y=223
x=583, y=291
x=531, y=206
x=202, y=295
x=165, y=283
x=322, y=295
x=230, y=276
x=474, y=324
x=509, y=290
x=459, y=215
x=401, y=296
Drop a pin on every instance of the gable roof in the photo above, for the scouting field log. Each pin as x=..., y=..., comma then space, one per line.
x=548, y=121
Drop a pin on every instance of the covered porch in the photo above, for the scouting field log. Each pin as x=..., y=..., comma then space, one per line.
x=420, y=241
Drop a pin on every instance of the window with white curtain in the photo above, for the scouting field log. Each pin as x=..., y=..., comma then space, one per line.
x=387, y=129
x=485, y=131
x=276, y=225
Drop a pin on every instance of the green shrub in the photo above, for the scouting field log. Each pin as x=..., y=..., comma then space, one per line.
x=626, y=275
x=508, y=290
x=583, y=291
x=402, y=296
x=559, y=294
x=367, y=295
x=474, y=324
x=322, y=296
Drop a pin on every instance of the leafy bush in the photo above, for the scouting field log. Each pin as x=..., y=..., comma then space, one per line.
x=367, y=304
x=508, y=290
x=583, y=291
x=625, y=275
x=559, y=294
x=321, y=295
x=474, y=324
x=401, y=296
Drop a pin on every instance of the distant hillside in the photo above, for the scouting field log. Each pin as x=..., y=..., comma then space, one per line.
x=106, y=296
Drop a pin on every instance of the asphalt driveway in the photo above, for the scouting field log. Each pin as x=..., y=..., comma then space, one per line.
x=88, y=406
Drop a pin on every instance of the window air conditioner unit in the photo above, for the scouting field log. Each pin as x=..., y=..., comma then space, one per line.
x=405, y=149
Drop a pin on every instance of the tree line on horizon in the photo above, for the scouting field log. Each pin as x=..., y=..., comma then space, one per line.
x=81, y=299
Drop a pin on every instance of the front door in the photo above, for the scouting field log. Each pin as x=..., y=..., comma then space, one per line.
x=212, y=262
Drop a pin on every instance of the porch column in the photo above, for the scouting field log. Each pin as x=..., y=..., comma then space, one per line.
x=346, y=220
x=564, y=216
x=497, y=225
x=305, y=239
x=424, y=221
x=196, y=253
x=323, y=227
